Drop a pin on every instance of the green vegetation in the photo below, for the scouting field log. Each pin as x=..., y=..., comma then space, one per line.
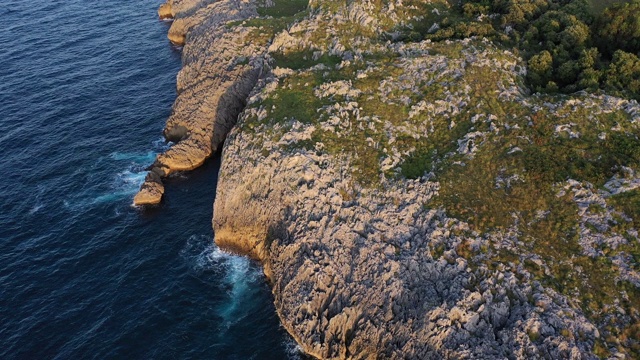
x=284, y=8
x=294, y=100
x=547, y=224
x=598, y=6
x=273, y=19
x=619, y=28
x=629, y=203
x=569, y=45
x=587, y=158
x=303, y=60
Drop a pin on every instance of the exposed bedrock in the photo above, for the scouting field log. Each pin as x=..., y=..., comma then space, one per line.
x=218, y=73
x=165, y=11
x=181, y=9
x=329, y=180
x=190, y=13
x=353, y=276
x=151, y=191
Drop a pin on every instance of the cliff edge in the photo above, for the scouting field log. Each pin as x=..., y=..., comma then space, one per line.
x=216, y=78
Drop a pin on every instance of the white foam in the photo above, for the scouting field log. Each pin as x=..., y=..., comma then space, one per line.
x=35, y=209
x=239, y=275
x=292, y=349
x=162, y=145
x=134, y=178
x=124, y=185
x=138, y=158
x=41, y=189
x=128, y=182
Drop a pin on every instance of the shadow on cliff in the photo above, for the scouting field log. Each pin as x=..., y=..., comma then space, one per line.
x=184, y=189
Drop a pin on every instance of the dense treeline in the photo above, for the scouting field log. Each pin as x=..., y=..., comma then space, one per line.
x=567, y=47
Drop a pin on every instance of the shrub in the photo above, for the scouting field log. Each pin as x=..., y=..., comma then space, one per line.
x=619, y=28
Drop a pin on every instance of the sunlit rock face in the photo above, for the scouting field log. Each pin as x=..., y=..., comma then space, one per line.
x=151, y=191
x=212, y=86
x=165, y=11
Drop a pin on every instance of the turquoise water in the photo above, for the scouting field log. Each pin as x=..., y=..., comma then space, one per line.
x=85, y=89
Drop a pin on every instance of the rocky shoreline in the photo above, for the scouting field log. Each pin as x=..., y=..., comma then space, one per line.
x=322, y=124
x=212, y=86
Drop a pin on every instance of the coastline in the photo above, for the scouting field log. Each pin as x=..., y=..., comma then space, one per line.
x=85, y=274
x=210, y=92
x=357, y=271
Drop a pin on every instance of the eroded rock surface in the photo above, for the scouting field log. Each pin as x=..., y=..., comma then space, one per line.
x=151, y=191
x=218, y=73
x=354, y=271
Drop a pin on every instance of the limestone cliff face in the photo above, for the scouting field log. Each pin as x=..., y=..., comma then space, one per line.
x=213, y=85
x=409, y=200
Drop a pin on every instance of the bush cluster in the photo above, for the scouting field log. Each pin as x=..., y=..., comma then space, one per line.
x=568, y=46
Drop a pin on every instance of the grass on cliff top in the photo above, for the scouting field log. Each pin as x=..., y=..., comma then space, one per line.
x=303, y=59
x=511, y=182
x=548, y=224
x=273, y=19
x=283, y=8
x=294, y=99
x=629, y=204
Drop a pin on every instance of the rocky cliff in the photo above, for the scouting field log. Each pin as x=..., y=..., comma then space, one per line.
x=220, y=67
x=410, y=199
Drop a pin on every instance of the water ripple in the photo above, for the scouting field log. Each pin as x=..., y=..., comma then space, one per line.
x=86, y=88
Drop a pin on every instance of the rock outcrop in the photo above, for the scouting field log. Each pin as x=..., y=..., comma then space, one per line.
x=165, y=11
x=354, y=271
x=218, y=73
x=409, y=200
x=151, y=191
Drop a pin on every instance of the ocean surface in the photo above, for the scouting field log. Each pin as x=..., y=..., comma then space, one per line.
x=85, y=89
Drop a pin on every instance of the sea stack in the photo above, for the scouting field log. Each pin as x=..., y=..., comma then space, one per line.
x=151, y=191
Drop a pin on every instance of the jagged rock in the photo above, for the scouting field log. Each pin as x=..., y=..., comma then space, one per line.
x=165, y=11
x=212, y=92
x=151, y=191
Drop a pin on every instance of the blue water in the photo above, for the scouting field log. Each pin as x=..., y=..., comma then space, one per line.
x=85, y=88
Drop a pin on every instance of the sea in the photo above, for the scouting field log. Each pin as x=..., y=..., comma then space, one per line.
x=85, y=89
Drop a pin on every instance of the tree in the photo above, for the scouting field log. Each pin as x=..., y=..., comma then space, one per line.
x=518, y=13
x=623, y=74
x=589, y=77
x=619, y=28
x=540, y=69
